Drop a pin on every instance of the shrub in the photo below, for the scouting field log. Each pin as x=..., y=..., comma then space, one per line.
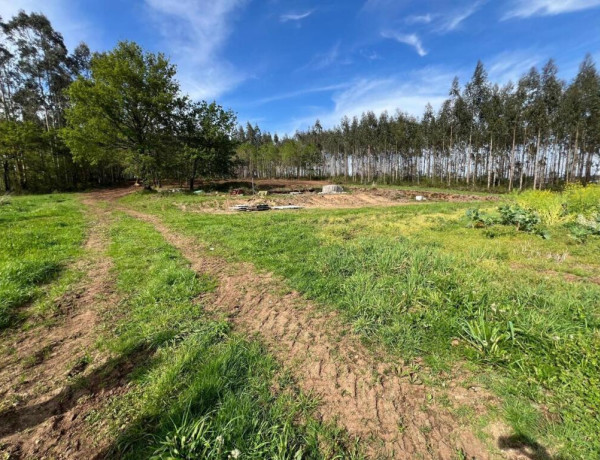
x=523, y=219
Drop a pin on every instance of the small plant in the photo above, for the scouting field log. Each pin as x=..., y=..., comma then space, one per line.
x=523, y=219
x=479, y=219
x=487, y=337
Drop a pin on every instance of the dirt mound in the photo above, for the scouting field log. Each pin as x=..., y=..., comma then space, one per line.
x=382, y=403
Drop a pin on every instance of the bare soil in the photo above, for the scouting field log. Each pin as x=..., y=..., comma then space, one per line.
x=308, y=198
x=381, y=401
x=48, y=388
x=51, y=377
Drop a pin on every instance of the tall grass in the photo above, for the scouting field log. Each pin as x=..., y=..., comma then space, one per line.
x=38, y=236
x=204, y=392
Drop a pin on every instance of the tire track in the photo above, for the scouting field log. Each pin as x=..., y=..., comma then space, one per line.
x=372, y=399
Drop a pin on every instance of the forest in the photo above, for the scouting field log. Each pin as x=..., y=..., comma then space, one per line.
x=71, y=120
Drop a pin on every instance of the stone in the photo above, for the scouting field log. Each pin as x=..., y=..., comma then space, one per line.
x=327, y=189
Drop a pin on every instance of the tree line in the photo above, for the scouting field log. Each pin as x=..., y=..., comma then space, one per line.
x=71, y=120
x=537, y=132
x=79, y=119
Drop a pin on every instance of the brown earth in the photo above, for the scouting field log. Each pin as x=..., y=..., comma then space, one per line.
x=381, y=401
x=54, y=375
x=354, y=198
x=378, y=399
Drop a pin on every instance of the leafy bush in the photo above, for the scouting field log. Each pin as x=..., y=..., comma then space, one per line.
x=523, y=219
x=479, y=219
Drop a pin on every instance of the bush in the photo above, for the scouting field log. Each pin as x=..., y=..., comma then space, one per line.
x=523, y=219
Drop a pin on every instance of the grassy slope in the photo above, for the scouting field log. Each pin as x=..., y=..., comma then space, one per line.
x=414, y=278
x=204, y=391
x=39, y=235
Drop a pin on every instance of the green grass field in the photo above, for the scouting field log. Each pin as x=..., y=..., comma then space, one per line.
x=475, y=296
x=40, y=235
x=525, y=309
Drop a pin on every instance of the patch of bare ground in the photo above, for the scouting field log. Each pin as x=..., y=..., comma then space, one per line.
x=51, y=377
x=382, y=402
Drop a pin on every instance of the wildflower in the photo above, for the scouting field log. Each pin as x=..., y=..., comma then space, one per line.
x=235, y=453
x=220, y=440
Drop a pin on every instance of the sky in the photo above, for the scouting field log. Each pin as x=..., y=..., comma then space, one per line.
x=284, y=64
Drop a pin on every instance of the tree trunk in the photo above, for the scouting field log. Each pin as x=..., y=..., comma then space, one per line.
x=512, y=160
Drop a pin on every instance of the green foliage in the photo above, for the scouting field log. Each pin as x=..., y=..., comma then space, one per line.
x=124, y=113
x=39, y=236
x=479, y=219
x=522, y=219
x=583, y=200
x=548, y=206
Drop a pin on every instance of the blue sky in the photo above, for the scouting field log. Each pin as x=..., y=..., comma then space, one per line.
x=283, y=64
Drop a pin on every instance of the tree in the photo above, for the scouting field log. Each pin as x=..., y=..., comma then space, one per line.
x=207, y=136
x=126, y=108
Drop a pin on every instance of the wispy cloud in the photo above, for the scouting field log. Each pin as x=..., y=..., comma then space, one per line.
x=295, y=16
x=300, y=92
x=528, y=8
x=409, y=92
x=326, y=59
x=194, y=32
x=511, y=65
x=419, y=19
x=453, y=20
x=408, y=39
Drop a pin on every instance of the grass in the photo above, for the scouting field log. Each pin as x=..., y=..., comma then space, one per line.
x=40, y=235
x=201, y=391
x=414, y=278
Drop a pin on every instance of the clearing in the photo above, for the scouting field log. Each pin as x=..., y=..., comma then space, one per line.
x=384, y=328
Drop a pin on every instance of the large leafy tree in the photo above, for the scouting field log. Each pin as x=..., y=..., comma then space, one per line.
x=207, y=133
x=127, y=110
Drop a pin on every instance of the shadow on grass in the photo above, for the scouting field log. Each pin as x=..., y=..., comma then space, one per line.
x=525, y=446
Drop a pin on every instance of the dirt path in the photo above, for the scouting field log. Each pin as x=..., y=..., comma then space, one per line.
x=384, y=404
x=54, y=375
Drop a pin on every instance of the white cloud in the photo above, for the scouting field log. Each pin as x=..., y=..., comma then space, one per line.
x=194, y=32
x=298, y=93
x=408, y=93
x=454, y=20
x=294, y=16
x=419, y=19
x=408, y=39
x=511, y=65
x=527, y=8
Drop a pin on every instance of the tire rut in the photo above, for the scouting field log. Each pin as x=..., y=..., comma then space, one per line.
x=377, y=401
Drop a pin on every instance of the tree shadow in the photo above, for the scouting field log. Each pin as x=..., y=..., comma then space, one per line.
x=113, y=374
x=525, y=446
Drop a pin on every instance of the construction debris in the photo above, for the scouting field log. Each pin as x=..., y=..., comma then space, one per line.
x=249, y=207
x=420, y=198
x=291, y=206
x=328, y=189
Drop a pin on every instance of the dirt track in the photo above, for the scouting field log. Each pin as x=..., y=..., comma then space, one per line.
x=382, y=402
x=46, y=417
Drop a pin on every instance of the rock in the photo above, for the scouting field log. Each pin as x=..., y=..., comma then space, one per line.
x=327, y=189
